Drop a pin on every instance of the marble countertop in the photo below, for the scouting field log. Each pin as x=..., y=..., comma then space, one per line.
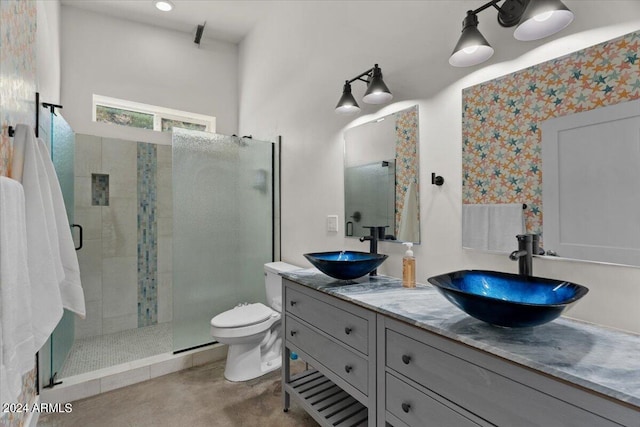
x=600, y=359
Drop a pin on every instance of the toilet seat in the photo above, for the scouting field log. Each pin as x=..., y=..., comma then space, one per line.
x=243, y=321
x=242, y=315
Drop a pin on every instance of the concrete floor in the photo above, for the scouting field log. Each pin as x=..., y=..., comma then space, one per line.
x=199, y=396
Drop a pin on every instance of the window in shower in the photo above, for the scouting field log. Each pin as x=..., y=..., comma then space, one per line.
x=122, y=117
x=144, y=116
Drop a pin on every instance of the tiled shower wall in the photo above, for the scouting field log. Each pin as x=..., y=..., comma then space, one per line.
x=126, y=262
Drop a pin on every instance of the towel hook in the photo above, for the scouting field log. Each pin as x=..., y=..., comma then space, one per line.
x=436, y=180
x=11, y=131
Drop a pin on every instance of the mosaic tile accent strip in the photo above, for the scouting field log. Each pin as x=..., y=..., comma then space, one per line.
x=99, y=352
x=501, y=137
x=99, y=189
x=406, y=157
x=147, y=235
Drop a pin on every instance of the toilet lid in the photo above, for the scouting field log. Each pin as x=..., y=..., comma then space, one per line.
x=244, y=315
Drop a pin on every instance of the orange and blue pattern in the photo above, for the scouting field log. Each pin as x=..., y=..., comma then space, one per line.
x=406, y=157
x=17, y=70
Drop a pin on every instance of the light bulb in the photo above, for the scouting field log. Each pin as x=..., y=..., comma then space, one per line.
x=543, y=16
x=164, y=5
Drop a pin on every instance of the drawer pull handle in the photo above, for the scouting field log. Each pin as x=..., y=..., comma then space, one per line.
x=406, y=407
x=292, y=303
x=293, y=333
x=348, y=368
x=347, y=330
x=406, y=359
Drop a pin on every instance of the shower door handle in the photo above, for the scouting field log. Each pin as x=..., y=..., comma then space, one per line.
x=80, y=235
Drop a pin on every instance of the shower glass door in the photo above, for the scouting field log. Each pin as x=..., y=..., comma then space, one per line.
x=222, y=228
x=61, y=141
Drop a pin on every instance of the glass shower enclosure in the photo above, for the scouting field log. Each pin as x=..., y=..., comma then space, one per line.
x=183, y=237
x=223, y=228
x=61, y=140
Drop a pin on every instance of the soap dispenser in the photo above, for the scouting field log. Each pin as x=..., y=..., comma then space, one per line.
x=408, y=267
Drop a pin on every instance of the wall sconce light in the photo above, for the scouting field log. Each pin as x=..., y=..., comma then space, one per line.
x=377, y=92
x=535, y=19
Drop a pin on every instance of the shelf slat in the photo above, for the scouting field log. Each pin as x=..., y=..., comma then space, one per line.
x=331, y=406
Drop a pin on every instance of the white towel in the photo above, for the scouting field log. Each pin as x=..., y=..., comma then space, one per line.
x=70, y=287
x=17, y=348
x=409, y=228
x=475, y=226
x=492, y=227
x=43, y=256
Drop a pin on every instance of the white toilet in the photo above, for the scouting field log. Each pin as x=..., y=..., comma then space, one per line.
x=252, y=331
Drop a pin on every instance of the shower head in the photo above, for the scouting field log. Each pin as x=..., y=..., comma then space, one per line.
x=241, y=140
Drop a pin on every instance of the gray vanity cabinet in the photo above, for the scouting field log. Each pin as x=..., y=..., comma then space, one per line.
x=338, y=340
x=371, y=369
x=433, y=381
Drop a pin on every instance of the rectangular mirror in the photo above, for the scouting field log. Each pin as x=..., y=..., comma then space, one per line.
x=591, y=169
x=381, y=177
x=573, y=119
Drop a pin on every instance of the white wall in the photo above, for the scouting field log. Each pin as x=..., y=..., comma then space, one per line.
x=142, y=63
x=289, y=86
x=48, y=50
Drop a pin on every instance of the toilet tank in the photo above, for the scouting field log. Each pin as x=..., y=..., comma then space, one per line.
x=273, y=282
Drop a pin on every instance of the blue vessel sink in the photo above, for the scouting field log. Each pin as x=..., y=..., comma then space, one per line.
x=505, y=299
x=345, y=265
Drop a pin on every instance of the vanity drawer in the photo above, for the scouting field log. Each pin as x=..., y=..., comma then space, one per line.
x=340, y=324
x=416, y=409
x=479, y=390
x=344, y=363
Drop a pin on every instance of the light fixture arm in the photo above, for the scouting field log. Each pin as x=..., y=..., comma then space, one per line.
x=509, y=13
x=493, y=3
x=368, y=73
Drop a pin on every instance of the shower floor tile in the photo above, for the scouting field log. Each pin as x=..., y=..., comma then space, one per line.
x=92, y=353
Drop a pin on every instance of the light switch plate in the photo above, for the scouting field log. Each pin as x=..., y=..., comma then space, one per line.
x=332, y=223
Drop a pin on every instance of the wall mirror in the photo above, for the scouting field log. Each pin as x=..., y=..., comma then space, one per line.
x=381, y=177
x=561, y=140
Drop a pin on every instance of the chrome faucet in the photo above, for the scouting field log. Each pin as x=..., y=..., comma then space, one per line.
x=375, y=233
x=524, y=254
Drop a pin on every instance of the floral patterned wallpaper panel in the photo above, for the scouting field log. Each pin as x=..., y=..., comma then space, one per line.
x=406, y=157
x=17, y=70
x=501, y=138
x=17, y=105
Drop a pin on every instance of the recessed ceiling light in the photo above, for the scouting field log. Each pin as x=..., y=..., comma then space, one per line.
x=163, y=5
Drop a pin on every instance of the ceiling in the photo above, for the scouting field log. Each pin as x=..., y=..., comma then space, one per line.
x=228, y=20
